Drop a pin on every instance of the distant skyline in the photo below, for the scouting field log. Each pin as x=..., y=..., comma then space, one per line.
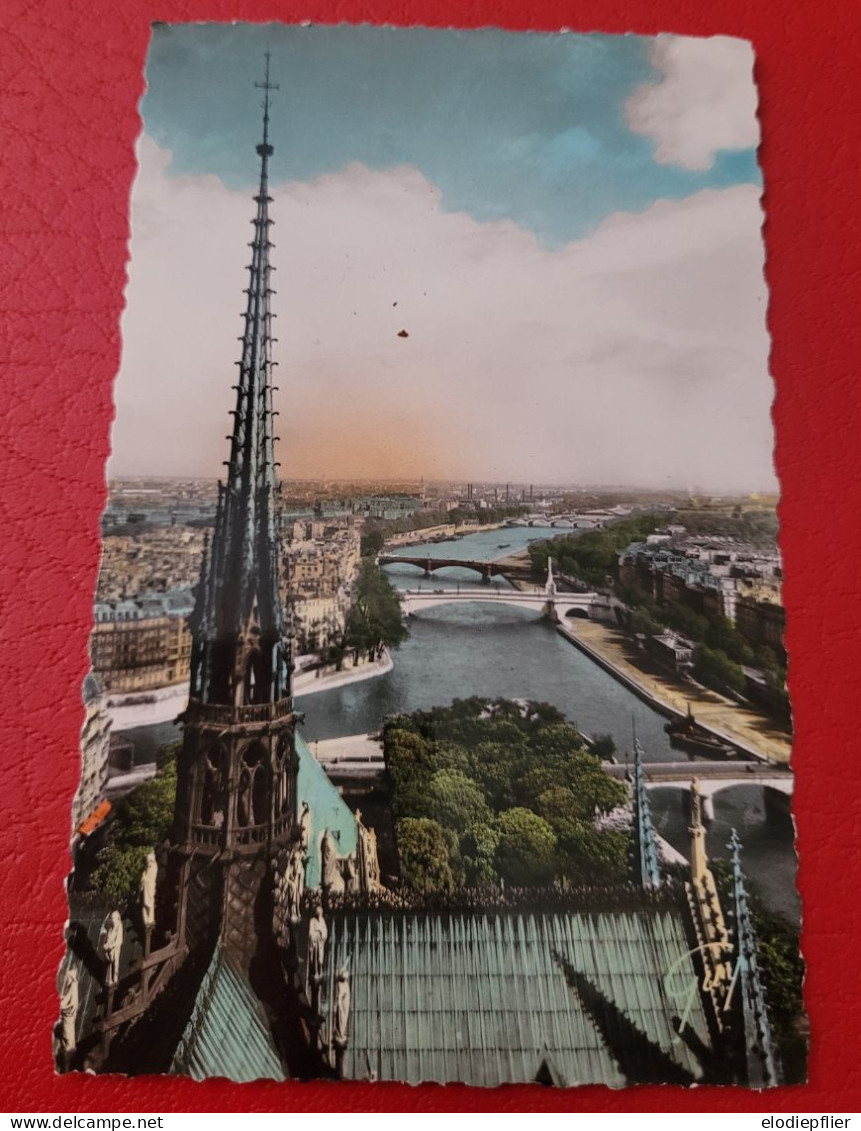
x=567, y=228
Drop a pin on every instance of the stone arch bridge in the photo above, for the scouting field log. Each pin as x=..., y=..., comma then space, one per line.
x=486, y=570
x=714, y=777
x=554, y=607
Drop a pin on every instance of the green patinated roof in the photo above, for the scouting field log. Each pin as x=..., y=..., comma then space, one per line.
x=328, y=811
x=485, y=999
x=227, y=1034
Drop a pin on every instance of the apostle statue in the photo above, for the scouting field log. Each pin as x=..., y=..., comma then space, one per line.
x=318, y=933
x=351, y=874
x=147, y=891
x=341, y=1018
x=294, y=883
x=111, y=940
x=305, y=826
x=330, y=865
x=366, y=852
x=69, y=1002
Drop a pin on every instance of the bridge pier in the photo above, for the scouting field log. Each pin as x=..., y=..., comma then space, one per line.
x=708, y=809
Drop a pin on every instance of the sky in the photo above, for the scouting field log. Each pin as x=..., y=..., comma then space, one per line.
x=566, y=226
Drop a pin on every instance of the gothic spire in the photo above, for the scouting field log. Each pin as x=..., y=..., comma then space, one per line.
x=762, y=1064
x=647, y=867
x=241, y=652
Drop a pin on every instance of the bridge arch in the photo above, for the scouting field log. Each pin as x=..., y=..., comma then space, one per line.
x=775, y=793
x=577, y=612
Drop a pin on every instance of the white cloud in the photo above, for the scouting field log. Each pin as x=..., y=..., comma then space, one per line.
x=705, y=101
x=638, y=354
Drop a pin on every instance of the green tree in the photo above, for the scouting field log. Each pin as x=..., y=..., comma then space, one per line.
x=593, y=857
x=374, y=622
x=141, y=822
x=603, y=747
x=478, y=851
x=424, y=855
x=456, y=801
x=526, y=853
x=717, y=670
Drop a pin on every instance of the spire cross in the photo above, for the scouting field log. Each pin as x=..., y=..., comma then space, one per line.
x=266, y=86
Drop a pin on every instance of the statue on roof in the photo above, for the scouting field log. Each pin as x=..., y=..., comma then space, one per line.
x=366, y=856
x=330, y=863
x=318, y=933
x=111, y=941
x=147, y=890
x=341, y=1012
x=69, y=1001
x=305, y=825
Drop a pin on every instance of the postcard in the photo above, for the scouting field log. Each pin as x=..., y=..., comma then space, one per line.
x=437, y=727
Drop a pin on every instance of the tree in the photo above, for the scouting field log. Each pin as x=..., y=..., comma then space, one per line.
x=593, y=789
x=141, y=821
x=593, y=857
x=424, y=855
x=717, y=670
x=526, y=853
x=478, y=851
x=604, y=747
x=374, y=622
x=456, y=801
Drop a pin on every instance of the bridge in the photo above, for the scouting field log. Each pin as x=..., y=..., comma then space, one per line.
x=712, y=776
x=359, y=758
x=568, y=521
x=553, y=606
x=499, y=568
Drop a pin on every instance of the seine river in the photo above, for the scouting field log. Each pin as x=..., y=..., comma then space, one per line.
x=458, y=651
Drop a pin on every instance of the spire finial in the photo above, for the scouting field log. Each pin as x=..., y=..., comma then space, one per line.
x=265, y=150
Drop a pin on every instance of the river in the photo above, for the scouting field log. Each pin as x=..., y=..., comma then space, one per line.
x=458, y=651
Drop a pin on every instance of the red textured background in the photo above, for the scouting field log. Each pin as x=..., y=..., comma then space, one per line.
x=70, y=84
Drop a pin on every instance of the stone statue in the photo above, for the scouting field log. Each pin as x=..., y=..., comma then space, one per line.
x=341, y=1019
x=112, y=944
x=373, y=862
x=148, y=882
x=366, y=851
x=332, y=876
x=318, y=933
x=68, y=1011
x=305, y=826
x=294, y=883
x=351, y=874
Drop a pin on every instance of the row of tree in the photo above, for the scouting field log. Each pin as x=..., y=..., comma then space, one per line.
x=376, y=531
x=592, y=555
x=722, y=651
x=500, y=793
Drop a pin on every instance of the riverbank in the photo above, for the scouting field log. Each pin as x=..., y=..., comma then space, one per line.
x=609, y=647
x=165, y=703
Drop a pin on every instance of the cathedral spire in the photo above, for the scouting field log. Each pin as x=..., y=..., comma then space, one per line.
x=241, y=653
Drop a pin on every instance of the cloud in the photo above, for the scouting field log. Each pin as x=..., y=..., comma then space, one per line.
x=705, y=101
x=635, y=355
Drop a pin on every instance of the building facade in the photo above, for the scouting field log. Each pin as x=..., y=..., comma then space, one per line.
x=95, y=752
